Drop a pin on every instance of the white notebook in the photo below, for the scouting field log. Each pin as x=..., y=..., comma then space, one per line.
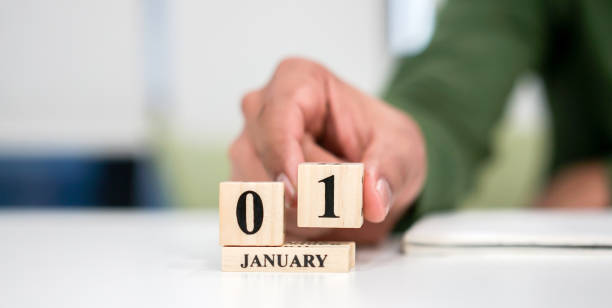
x=511, y=231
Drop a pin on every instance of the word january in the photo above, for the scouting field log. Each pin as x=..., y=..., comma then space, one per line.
x=276, y=260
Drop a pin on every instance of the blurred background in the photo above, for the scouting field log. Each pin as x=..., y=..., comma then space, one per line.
x=133, y=103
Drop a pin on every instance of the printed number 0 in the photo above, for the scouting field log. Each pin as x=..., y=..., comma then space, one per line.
x=329, y=197
x=257, y=212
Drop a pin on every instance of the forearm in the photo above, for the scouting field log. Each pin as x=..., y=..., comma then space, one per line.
x=457, y=88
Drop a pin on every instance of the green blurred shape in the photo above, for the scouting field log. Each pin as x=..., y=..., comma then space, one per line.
x=516, y=171
x=192, y=172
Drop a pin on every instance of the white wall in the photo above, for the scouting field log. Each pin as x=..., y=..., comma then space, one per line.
x=71, y=77
x=221, y=49
x=73, y=73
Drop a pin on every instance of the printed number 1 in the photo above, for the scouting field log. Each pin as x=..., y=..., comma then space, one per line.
x=329, y=197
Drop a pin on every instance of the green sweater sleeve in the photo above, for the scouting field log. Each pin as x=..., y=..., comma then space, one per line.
x=456, y=89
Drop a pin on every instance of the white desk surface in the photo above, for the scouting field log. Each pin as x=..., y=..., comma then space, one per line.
x=172, y=259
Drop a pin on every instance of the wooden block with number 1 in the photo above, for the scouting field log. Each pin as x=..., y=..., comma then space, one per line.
x=330, y=195
x=251, y=214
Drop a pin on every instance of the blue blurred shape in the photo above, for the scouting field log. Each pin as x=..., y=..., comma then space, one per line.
x=67, y=181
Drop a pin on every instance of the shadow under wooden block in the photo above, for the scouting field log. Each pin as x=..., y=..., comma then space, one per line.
x=291, y=257
x=330, y=195
x=251, y=214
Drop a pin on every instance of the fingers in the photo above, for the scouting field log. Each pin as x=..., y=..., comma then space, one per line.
x=246, y=166
x=377, y=194
x=276, y=129
x=313, y=152
x=273, y=158
x=280, y=115
x=276, y=141
x=394, y=173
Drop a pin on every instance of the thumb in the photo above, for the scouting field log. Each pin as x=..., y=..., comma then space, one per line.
x=391, y=177
x=377, y=194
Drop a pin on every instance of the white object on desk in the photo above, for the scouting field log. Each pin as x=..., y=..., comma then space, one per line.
x=512, y=231
x=168, y=259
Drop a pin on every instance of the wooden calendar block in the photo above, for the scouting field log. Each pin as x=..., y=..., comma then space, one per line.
x=330, y=195
x=251, y=214
x=352, y=254
x=291, y=257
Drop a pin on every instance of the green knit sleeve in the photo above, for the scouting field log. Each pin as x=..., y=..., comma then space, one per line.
x=456, y=89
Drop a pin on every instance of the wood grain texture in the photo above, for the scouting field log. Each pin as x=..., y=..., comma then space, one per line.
x=291, y=257
x=271, y=231
x=347, y=197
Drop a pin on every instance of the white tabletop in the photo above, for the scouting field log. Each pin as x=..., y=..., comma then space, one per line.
x=170, y=259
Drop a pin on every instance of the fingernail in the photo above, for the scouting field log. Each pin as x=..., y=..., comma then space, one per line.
x=289, y=191
x=384, y=191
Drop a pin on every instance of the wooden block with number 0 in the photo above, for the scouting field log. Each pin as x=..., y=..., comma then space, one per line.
x=251, y=214
x=330, y=195
x=291, y=257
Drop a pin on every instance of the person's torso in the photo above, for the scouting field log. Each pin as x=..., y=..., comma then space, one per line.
x=578, y=75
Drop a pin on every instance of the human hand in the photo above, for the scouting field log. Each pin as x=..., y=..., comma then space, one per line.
x=582, y=185
x=305, y=113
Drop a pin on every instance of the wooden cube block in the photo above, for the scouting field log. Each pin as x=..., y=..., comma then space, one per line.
x=251, y=213
x=330, y=195
x=291, y=257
